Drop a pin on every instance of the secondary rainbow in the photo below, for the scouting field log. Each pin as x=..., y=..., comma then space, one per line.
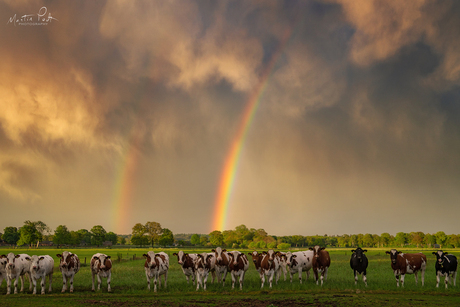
x=229, y=170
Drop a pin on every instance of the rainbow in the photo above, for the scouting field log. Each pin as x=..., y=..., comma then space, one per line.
x=229, y=170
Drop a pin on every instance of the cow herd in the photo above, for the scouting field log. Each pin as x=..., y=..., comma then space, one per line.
x=218, y=263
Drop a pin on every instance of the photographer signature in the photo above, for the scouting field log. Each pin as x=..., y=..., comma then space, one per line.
x=33, y=19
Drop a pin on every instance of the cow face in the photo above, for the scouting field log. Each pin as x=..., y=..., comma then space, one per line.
x=316, y=251
x=150, y=260
x=203, y=261
x=35, y=262
x=271, y=256
x=233, y=257
x=104, y=262
x=393, y=255
x=440, y=256
x=219, y=255
x=290, y=259
x=10, y=260
x=65, y=259
x=181, y=257
x=255, y=256
x=3, y=261
x=358, y=253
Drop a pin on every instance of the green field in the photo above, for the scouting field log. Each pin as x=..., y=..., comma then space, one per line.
x=129, y=285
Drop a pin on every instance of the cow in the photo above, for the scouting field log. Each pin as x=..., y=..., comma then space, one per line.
x=101, y=265
x=41, y=267
x=2, y=269
x=186, y=261
x=221, y=264
x=403, y=264
x=16, y=267
x=282, y=259
x=238, y=265
x=299, y=262
x=446, y=265
x=270, y=267
x=69, y=265
x=320, y=263
x=358, y=263
x=203, y=265
x=155, y=266
x=257, y=260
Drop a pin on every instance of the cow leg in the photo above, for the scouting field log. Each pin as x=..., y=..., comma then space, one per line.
x=322, y=277
x=8, y=285
x=300, y=275
x=438, y=278
x=166, y=277
x=43, y=284
x=290, y=273
x=365, y=278
x=205, y=281
x=34, y=282
x=397, y=278
x=262, y=279
x=16, y=284
x=402, y=279
x=446, y=280
x=198, y=281
x=225, y=275
x=22, y=283
x=315, y=273
x=99, y=282
x=242, y=279
x=155, y=283
x=356, y=277
x=454, y=277
x=50, y=281
x=416, y=277
x=213, y=274
x=92, y=275
x=64, y=283
x=423, y=277
x=233, y=280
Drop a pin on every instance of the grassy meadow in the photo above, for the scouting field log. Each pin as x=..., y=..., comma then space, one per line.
x=129, y=285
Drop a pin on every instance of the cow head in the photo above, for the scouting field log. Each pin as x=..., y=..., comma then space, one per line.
x=10, y=260
x=150, y=260
x=440, y=256
x=35, y=262
x=255, y=256
x=203, y=260
x=104, y=262
x=290, y=259
x=316, y=251
x=233, y=257
x=393, y=255
x=358, y=253
x=219, y=254
x=271, y=256
x=181, y=257
x=65, y=259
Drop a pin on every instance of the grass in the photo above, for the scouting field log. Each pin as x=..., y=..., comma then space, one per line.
x=129, y=285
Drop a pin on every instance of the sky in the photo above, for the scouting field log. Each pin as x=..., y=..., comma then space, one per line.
x=299, y=117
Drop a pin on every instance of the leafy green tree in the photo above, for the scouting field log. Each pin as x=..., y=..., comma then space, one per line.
x=416, y=238
x=166, y=238
x=62, y=235
x=139, y=230
x=139, y=240
x=121, y=240
x=203, y=240
x=284, y=246
x=216, y=238
x=230, y=237
x=441, y=238
x=112, y=237
x=98, y=234
x=385, y=239
x=153, y=231
x=401, y=239
x=84, y=236
x=29, y=235
x=429, y=240
x=10, y=235
x=195, y=239
x=368, y=240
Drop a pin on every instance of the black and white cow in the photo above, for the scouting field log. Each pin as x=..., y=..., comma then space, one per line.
x=358, y=264
x=299, y=262
x=446, y=265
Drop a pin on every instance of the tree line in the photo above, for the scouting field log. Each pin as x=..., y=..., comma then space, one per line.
x=151, y=233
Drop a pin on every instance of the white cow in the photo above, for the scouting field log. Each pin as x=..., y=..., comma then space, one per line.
x=282, y=260
x=101, y=265
x=69, y=265
x=155, y=266
x=40, y=267
x=238, y=265
x=16, y=267
x=2, y=269
x=203, y=265
x=221, y=264
x=187, y=263
x=299, y=262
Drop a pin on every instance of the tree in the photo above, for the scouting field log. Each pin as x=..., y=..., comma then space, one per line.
x=441, y=238
x=401, y=239
x=29, y=235
x=385, y=239
x=84, y=236
x=166, y=238
x=10, y=235
x=203, y=240
x=62, y=235
x=429, y=240
x=153, y=231
x=139, y=240
x=230, y=237
x=112, y=237
x=98, y=234
x=195, y=239
x=139, y=230
x=216, y=238
x=368, y=240
x=416, y=238
x=121, y=240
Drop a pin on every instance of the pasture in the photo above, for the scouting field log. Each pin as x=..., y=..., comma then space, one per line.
x=129, y=285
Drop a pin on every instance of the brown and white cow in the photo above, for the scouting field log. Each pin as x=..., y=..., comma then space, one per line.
x=2, y=269
x=16, y=267
x=320, y=262
x=203, y=265
x=186, y=261
x=403, y=264
x=101, y=265
x=156, y=264
x=69, y=265
x=238, y=265
x=221, y=264
x=270, y=267
x=257, y=260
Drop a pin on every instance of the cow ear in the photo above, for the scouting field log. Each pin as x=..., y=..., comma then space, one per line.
x=108, y=257
x=387, y=252
x=364, y=250
x=310, y=248
x=3, y=256
x=145, y=255
x=250, y=254
x=59, y=255
x=445, y=253
x=213, y=250
x=41, y=258
x=28, y=258
x=322, y=248
x=17, y=256
x=353, y=250
x=398, y=252
x=209, y=256
x=434, y=253
x=224, y=250
x=264, y=253
x=294, y=256
x=174, y=254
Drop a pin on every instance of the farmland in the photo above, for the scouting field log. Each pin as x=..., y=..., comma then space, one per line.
x=129, y=285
